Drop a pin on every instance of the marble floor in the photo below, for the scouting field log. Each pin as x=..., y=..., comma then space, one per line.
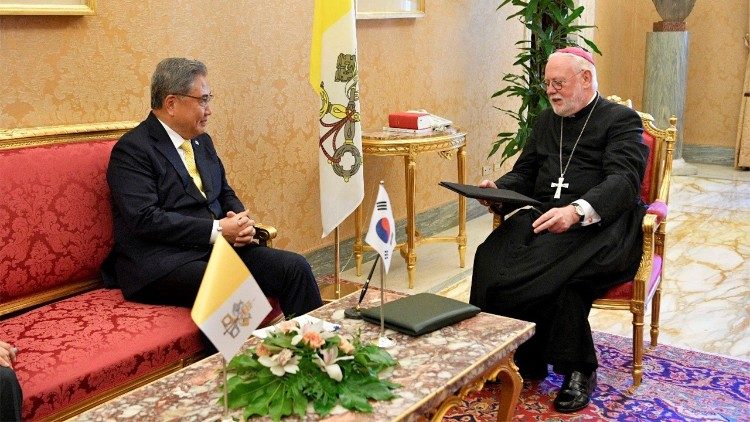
x=706, y=289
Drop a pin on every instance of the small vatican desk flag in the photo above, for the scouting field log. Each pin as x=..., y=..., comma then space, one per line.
x=230, y=304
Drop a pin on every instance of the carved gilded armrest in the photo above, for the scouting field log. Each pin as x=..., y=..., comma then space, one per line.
x=647, y=260
x=265, y=234
x=659, y=209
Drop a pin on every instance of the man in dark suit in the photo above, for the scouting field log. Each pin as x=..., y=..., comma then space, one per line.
x=10, y=390
x=171, y=201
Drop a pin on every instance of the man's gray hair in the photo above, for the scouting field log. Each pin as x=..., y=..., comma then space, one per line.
x=174, y=75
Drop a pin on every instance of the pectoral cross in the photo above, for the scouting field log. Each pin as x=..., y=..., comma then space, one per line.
x=559, y=185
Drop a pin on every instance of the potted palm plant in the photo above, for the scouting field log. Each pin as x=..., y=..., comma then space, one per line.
x=550, y=24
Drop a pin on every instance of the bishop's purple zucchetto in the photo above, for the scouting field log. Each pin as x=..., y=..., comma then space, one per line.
x=577, y=51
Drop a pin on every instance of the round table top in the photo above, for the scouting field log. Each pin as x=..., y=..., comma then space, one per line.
x=384, y=135
x=400, y=143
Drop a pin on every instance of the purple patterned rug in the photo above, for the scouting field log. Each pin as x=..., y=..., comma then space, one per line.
x=678, y=385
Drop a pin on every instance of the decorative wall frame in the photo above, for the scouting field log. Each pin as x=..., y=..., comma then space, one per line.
x=47, y=7
x=386, y=9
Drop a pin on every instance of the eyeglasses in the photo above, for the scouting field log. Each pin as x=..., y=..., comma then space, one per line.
x=203, y=100
x=557, y=83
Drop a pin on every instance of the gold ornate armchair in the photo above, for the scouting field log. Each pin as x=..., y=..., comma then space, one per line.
x=635, y=295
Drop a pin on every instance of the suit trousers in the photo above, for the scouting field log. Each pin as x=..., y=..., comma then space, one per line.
x=284, y=275
x=10, y=396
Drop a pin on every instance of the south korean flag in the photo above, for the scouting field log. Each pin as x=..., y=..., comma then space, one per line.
x=382, y=232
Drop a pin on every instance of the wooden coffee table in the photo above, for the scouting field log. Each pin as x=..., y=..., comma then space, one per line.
x=436, y=371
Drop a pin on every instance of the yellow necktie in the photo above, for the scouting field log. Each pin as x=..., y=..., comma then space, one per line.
x=191, y=167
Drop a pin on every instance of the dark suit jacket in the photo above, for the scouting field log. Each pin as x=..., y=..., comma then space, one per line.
x=161, y=220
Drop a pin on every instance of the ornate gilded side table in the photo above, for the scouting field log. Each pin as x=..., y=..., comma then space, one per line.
x=446, y=143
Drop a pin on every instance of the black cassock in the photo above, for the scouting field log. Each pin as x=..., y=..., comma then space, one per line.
x=551, y=279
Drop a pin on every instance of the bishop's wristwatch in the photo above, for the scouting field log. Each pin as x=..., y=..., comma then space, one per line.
x=579, y=211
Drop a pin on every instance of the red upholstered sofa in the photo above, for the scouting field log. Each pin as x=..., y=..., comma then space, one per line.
x=79, y=344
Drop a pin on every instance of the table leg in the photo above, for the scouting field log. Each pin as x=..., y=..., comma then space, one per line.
x=461, y=160
x=511, y=389
x=358, y=239
x=411, y=254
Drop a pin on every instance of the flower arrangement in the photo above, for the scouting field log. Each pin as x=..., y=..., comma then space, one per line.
x=298, y=365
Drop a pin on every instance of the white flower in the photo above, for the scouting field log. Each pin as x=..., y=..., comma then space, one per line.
x=281, y=363
x=328, y=362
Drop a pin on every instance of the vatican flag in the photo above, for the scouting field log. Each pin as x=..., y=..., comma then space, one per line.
x=382, y=232
x=230, y=304
x=334, y=77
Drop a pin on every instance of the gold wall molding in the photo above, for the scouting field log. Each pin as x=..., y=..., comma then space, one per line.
x=48, y=7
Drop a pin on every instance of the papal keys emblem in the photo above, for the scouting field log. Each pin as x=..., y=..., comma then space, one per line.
x=239, y=317
x=345, y=159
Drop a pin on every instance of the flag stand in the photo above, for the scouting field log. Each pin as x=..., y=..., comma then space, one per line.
x=225, y=417
x=333, y=292
x=383, y=341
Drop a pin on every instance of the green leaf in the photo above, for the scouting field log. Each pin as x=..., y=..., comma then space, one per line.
x=380, y=390
x=257, y=408
x=592, y=46
x=280, y=341
x=355, y=401
x=242, y=362
x=299, y=403
x=278, y=408
x=324, y=405
x=240, y=394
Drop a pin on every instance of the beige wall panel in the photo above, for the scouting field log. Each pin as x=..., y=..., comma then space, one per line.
x=65, y=70
x=621, y=36
x=716, y=72
x=716, y=62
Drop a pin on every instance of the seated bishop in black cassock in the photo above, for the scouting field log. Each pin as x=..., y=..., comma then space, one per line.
x=584, y=161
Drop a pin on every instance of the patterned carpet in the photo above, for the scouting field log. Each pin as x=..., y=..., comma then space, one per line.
x=679, y=385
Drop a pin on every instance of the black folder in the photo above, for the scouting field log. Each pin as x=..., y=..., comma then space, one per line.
x=420, y=313
x=504, y=196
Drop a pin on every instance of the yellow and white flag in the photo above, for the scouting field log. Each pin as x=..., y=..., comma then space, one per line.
x=230, y=304
x=382, y=232
x=333, y=75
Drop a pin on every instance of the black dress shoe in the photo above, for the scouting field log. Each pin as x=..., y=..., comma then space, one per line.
x=575, y=393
